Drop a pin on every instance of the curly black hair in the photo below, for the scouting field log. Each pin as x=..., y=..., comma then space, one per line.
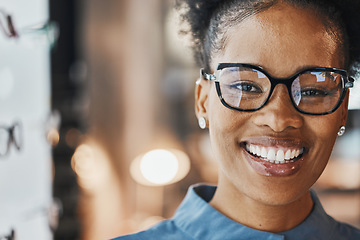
x=209, y=19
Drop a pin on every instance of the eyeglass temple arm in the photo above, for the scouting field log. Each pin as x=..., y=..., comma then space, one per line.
x=210, y=77
x=10, y=31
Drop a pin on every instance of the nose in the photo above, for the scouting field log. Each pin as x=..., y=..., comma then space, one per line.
x=279, y=114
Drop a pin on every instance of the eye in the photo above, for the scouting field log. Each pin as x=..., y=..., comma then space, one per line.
x=246, y=87
x=313, y=92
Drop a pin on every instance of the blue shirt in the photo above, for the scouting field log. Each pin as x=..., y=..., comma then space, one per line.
x=196, y=219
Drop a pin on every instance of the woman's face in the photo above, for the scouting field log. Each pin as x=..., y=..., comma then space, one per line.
x=283, y=40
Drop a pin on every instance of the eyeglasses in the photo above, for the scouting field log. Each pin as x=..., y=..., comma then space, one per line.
x=10, y=236
x=314, y=91
x=10, y=135
x=47, y=32
x=52, y=212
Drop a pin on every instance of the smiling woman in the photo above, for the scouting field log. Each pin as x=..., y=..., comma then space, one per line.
x=278, y=124
x=274, y=95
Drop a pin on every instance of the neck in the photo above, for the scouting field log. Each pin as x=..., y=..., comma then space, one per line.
x=259, y=215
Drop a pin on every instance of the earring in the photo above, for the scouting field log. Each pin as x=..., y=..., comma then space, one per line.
x=202, y=122
x=341, y=131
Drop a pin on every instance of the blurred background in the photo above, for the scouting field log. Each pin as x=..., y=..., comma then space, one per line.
x=99, y=128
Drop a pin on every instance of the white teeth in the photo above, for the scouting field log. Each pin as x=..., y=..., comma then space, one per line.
x=263, y=152
x=280, y=156
x=271, y=154
x=258, y=151
x=274, y=155
x=288, y=155
x=293, y=153
x=252, y=149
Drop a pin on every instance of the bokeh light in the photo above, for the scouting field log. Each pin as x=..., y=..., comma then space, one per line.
x=90, y=165
x=160, y=167
x=53, y=137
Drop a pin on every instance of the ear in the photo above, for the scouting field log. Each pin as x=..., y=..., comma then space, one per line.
x=344, y=109
x=201, y=98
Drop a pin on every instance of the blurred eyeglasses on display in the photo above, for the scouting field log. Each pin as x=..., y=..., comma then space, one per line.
x=314, y=91
x=8, y=136
x=47, y=32
x=10, y=236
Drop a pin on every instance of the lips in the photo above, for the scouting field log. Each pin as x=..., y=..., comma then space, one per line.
x=275, y=157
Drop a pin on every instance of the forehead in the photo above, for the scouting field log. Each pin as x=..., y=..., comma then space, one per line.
x=283, y=40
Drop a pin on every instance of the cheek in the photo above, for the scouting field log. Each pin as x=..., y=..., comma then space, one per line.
x=325, y=127
x=225, y=127
x=323, y=133
x=222, y=128
x=221, y=125
x=221, y=119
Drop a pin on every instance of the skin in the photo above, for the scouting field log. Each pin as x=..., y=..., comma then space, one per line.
x=283, y=40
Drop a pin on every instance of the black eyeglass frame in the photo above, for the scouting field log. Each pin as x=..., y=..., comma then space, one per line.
x=11, y=139
x=9, y=29
x=347, y=82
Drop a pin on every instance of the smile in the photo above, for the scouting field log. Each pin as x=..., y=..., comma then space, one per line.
x=275, y=155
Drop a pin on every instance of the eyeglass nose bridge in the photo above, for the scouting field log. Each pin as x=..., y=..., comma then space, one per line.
x=16, y=140
x=13, y=138
x=287, y=82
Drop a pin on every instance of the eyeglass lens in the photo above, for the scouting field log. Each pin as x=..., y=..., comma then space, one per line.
x=16, y=134
x=245, y=88
x=4, y=141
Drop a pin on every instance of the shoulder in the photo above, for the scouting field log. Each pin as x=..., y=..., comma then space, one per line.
x=328, y=226
x=346, y=231
x=162, y=231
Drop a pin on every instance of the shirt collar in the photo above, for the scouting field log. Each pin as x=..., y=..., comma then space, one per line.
x=201, y=221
